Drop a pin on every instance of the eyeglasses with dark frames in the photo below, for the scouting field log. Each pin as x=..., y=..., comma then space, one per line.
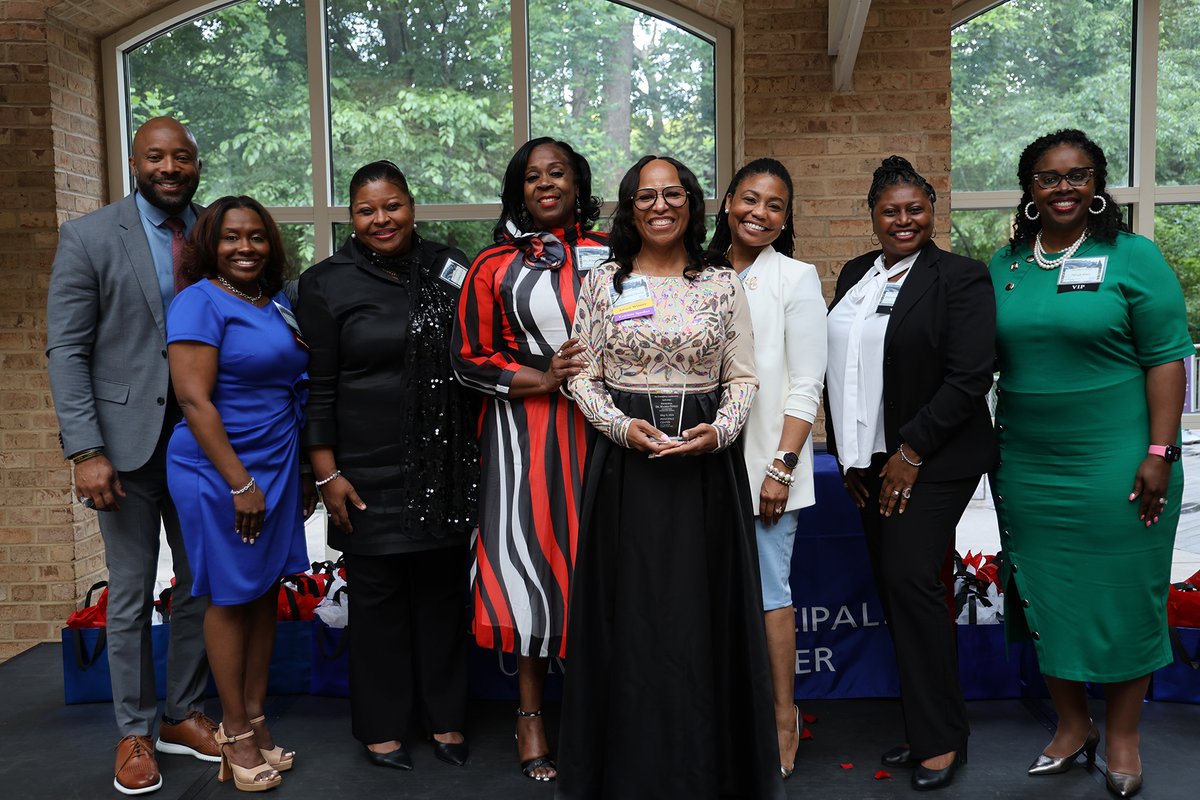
x=674, y=196
x=1048, y=179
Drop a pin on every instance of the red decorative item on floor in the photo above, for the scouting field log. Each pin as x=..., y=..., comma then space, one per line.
x=882, y=775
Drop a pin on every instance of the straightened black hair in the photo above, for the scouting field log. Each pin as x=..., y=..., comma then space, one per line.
x=200, y=250
x=381, y=170
x=512, y=193
x=626, y=242
x=723, y=238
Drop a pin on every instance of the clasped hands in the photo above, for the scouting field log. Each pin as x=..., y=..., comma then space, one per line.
x=648, y=439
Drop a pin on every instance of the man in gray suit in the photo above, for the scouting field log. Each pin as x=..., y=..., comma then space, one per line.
x=112, y=280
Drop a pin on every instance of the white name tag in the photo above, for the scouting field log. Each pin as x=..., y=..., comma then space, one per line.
x=454, y=273
x=1082, y=274
x=590, y=257
x=888, y=299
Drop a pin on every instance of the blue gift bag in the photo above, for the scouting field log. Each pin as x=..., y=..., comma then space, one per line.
x=291, y=663
x=330, y=661
x=986, y=670
x=86, y=677
x=1179, y=682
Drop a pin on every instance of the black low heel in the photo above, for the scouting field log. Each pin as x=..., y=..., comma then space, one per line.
x=925, y=779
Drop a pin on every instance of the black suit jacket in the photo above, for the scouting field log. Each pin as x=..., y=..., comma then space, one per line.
x=939, y=354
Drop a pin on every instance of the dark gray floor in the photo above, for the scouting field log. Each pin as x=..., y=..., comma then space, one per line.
x=56, y=751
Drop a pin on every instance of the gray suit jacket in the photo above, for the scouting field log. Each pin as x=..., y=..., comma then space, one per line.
x=106, y=337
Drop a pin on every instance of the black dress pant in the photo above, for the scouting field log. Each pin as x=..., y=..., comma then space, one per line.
x=907, y=553
x=408, y=642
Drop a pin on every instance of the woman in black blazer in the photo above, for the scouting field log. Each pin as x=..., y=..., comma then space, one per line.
x=911, y=348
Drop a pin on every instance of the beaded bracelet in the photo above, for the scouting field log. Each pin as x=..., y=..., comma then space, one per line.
x=911, y=463
x=249, y=487
x=779, y=475
x=337, y=473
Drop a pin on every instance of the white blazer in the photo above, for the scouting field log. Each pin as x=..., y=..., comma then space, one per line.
x=788, y=312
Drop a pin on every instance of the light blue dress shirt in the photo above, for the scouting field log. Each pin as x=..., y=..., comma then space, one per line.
x=159, y=237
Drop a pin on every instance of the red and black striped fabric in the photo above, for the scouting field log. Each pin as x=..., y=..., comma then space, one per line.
x=532, y=449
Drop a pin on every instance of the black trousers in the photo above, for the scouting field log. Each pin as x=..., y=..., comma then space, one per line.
x=408, y=642
x=907, y=553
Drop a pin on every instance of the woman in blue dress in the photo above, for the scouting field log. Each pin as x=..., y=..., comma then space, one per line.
x=238, y=370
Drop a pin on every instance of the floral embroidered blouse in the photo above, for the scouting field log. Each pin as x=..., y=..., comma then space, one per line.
x=699, y=338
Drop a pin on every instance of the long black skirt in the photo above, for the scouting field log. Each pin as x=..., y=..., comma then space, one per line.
x=668, y=686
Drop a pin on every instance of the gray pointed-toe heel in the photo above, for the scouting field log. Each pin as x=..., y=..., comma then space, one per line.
x=1049, y=765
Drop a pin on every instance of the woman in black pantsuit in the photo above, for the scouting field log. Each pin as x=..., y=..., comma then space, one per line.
x=391, y=436
x=911, y=348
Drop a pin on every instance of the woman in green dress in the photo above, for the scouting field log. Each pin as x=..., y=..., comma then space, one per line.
x=1091, y=333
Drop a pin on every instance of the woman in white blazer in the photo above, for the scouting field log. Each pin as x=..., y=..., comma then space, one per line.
x=754, y=231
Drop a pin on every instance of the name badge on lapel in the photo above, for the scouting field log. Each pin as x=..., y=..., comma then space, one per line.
x=887, y=300
x=453, y=273
x=290, y=319
x=1082, y=274
x=589, y=257
x=633, y=301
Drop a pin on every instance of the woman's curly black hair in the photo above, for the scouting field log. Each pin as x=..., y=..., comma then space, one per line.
x=894, y=171
x=200, y=251
x=626, y=242
x=1103, y=226
x=785, y=243
x=512, y=195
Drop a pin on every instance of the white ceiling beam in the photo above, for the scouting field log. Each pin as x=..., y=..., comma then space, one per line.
x=847, y=18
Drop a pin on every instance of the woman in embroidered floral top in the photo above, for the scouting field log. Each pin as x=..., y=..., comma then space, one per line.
x=668, y=692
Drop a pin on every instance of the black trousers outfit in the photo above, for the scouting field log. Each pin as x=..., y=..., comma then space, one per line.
x=907, y=553
x=408, y=642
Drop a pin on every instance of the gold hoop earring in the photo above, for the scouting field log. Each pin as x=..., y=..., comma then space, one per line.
x=874, y=240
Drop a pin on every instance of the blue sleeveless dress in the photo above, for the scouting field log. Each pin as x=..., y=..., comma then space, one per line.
x=260, y=392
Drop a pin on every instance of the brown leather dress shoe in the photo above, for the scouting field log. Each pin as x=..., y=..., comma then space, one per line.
x=194, y=736
x=136, y=770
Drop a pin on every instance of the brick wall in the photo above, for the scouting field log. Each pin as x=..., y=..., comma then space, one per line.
x=52, y=169
x=832, y=142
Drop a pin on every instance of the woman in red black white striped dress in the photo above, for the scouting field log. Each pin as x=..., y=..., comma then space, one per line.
x=514, y=319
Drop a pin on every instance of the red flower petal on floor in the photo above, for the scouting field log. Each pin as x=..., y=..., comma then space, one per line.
x=847, y=765
x=805, y=734
x=809, y=718
x=882, y=775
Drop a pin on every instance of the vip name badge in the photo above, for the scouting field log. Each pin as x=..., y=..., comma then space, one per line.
x=590, y=257
x=633, y=301
x=1082, y=274
x=453, y=273
x=887, y=300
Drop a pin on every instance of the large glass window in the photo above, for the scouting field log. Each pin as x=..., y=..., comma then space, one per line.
x=1034, y=66
x=237, y=78
x=427, y=85
x=1124, y=72
x=447, y=90
x=618, y=90
x=1177, y=159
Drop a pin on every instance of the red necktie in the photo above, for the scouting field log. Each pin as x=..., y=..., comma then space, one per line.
x=176, y=226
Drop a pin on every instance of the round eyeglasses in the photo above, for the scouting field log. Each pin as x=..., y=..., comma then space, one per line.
x=1048, y=179
x=674, y=196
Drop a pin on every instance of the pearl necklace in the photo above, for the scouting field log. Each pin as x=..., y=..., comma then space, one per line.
x=240, y=294
x=1039, y=252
